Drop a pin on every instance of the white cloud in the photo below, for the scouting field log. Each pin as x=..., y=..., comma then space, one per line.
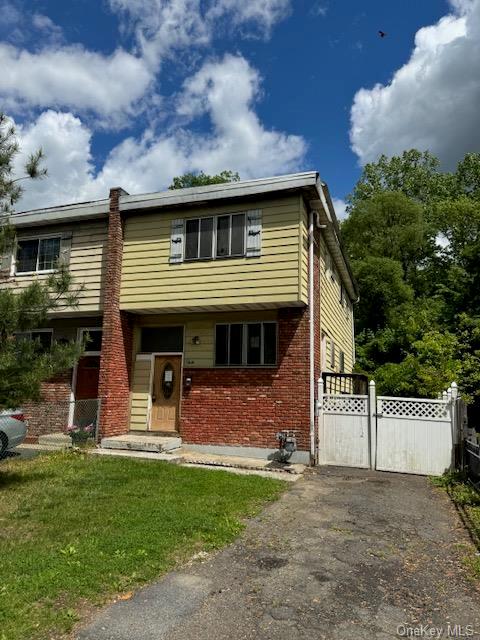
x=66, y=142
x=260, y=14
x=114, y=87
x=340, y=207
x=47, y=27
x=224, y=91
x=432, y=101
x=72, y=77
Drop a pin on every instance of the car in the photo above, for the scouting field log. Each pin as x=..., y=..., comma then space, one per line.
x=13, y=429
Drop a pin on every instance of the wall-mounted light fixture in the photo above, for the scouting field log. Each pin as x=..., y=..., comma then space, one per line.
x=196, y=340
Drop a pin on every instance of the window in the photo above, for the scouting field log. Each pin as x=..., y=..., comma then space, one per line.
x=246, y=344
x=94, y=341
x=42, y=336
x=199, y=238
x=215, y=237
x=332, y=354
x=328, y=262
x=342, y=362
x=39, y=254
x=161, y=340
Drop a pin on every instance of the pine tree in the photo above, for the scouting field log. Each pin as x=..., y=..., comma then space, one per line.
x=25, y=363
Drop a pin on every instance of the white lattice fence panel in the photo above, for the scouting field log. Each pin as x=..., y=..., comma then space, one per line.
x=345, y=404
x=413, y=408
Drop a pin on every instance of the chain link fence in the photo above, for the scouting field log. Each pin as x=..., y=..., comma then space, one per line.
x=84, y=418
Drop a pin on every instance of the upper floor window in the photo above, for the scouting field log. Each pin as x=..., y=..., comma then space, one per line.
x=219, y=237
x=37, y=255
x=246, y=344
x=213, y=237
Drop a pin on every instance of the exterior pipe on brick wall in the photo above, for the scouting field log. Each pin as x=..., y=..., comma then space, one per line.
x=311, y=315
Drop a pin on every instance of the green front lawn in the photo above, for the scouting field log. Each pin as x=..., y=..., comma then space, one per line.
x=75, y=530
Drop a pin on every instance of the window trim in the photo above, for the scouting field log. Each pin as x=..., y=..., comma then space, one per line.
x=244, y=363
x=214, y=255
x=14, y=272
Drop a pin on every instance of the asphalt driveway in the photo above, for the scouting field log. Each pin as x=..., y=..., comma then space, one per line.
x=344, y=555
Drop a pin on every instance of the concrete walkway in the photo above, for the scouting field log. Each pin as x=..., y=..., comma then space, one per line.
x=344, y=555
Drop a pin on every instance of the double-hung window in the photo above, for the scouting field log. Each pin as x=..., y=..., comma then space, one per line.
x=37, y=255
x=246, y=344
x=215, y=237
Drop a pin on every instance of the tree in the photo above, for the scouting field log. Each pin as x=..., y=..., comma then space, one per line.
x=416, y=254
x=389, y=225
x=24, y=364
x=414, y=173
x=202, y=179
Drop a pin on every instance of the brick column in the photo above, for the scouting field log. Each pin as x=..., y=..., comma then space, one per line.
x=115, y=361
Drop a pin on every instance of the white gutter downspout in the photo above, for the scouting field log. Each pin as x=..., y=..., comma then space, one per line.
x=311, y=314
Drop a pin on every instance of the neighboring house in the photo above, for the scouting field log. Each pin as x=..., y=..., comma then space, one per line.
x=198, y=302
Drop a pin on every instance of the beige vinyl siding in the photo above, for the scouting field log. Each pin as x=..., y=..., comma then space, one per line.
x=194, y=356
x=304, y=253
x=150, y=282
x=336, y=320
x=140, y=394
x=87, y=261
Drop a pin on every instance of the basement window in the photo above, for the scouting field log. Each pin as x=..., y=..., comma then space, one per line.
x=246, y=344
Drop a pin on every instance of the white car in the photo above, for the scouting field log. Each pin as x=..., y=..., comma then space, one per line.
x=13, y=429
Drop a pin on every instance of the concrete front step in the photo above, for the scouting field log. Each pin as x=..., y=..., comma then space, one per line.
x=55, y=441
x=134, y=442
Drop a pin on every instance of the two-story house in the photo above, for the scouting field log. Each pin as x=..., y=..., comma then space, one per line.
x=211, y=310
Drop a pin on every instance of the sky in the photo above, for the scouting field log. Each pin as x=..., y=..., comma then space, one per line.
x=131, y=93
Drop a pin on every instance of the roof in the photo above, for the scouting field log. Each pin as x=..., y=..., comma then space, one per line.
x=315, y=192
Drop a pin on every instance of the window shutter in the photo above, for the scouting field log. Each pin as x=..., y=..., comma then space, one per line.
x=254, y=233
x=65, y=249
x=176, y=241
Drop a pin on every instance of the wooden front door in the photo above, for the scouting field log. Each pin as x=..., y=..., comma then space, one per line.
x=86, y=386
x=166, y=393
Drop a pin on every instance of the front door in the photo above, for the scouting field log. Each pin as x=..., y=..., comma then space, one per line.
x=166, y=393
x=86, y=386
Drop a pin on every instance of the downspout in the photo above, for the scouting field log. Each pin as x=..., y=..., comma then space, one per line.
x=311, y=315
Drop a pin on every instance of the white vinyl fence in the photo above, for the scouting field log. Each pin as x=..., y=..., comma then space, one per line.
x=406, y=435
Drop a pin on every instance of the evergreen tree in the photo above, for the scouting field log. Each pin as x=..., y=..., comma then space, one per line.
x=25, y=363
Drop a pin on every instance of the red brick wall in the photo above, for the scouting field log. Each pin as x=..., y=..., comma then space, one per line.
x=115, y=361
x=50, y=414
x=246, y=407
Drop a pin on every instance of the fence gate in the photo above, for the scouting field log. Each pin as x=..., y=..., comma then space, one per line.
x=406, y=435
x=344, y=434
x=414, y=435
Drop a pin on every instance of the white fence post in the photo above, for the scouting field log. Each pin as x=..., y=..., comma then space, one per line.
x=319, y=417
x=372, y=424
x=453, y=414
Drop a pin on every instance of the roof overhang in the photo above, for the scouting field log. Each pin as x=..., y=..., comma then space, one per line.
x=218, y=192
x=62, y=214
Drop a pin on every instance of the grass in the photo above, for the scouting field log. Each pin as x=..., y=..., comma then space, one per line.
x=467, y=501
x=75, y=530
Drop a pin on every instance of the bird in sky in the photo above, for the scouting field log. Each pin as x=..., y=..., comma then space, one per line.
x=382, y=34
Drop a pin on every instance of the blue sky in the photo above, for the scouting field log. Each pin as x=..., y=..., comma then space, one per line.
x=132, y=92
